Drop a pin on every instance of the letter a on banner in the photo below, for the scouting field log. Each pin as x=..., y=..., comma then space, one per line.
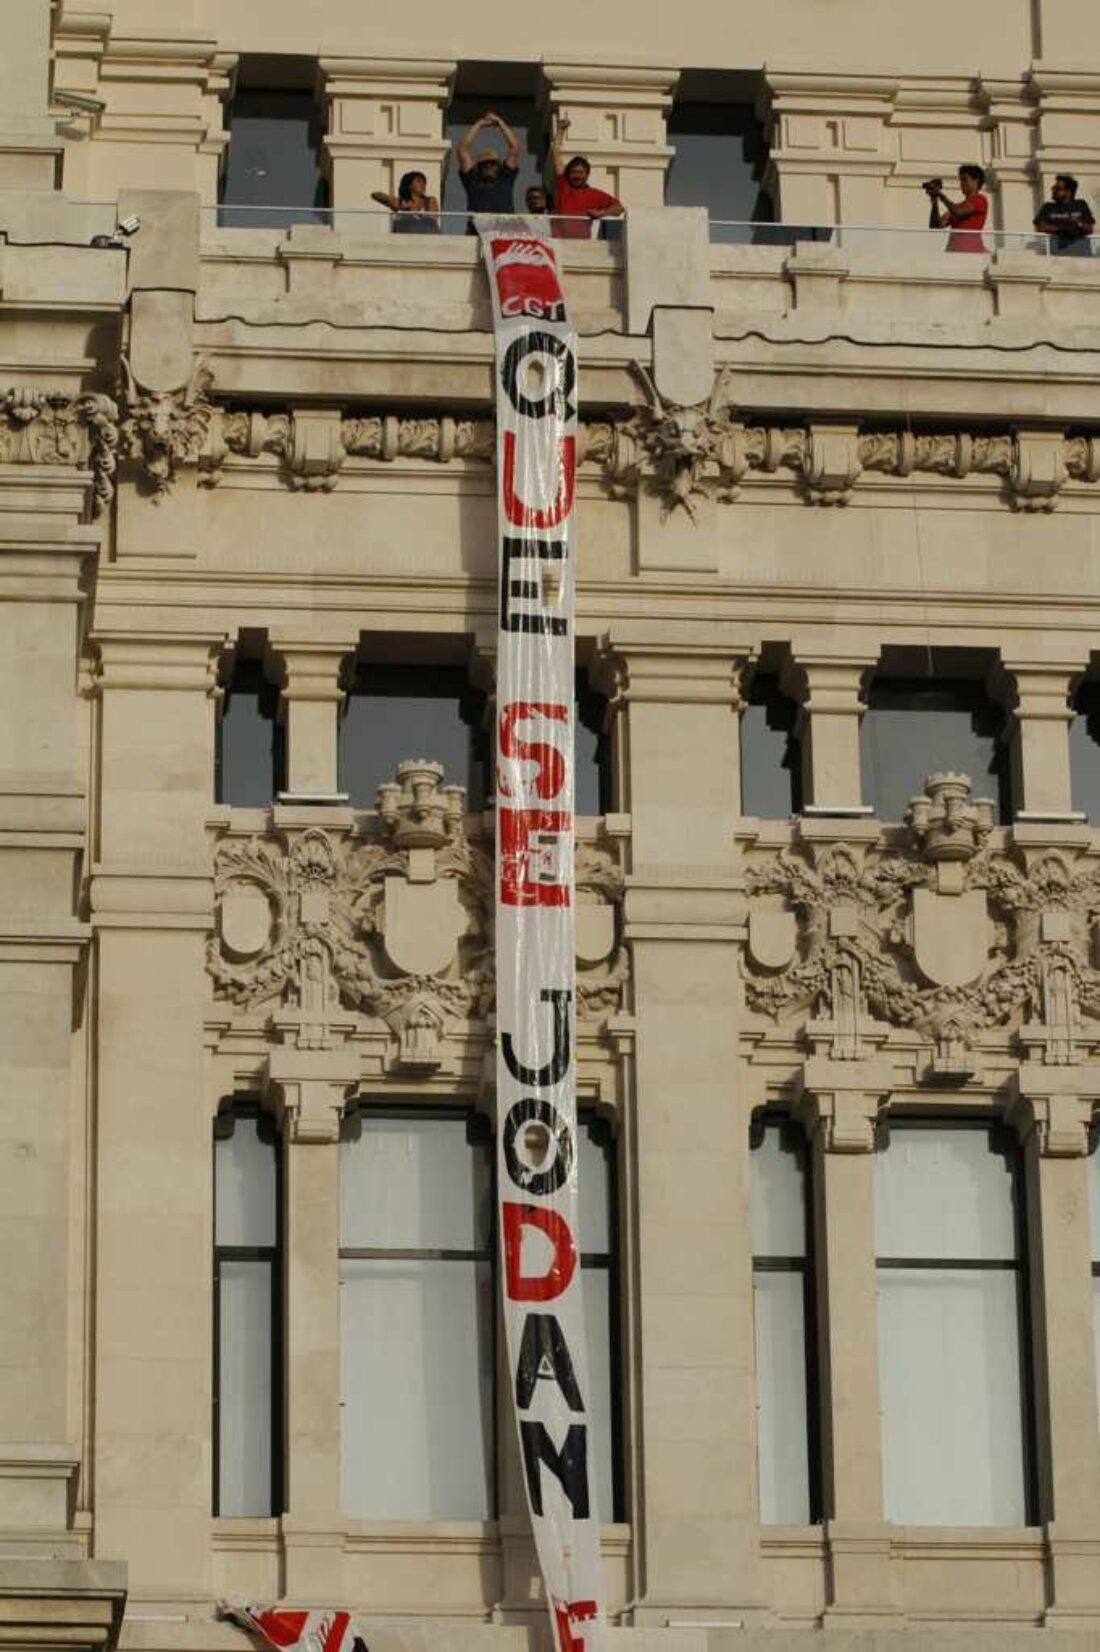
x=536, y=397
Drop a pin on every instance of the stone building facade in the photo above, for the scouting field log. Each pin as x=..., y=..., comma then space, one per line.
x=839, y=899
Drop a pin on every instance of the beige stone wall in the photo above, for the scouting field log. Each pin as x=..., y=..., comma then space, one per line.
x=808, y=455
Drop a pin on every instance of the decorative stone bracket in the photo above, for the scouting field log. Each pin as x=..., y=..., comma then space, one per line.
x=944, y=936
x=46, y=427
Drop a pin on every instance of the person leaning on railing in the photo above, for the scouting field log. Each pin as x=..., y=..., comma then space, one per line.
x=966, y=218
x=574, y=196
x=415, y=212
x=1066, y=220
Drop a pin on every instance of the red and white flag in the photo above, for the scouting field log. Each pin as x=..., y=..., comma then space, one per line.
x=536, y=406
x=284, y=1629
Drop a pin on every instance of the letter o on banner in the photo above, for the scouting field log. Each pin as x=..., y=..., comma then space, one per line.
x=539, y=1183
x=557, y=396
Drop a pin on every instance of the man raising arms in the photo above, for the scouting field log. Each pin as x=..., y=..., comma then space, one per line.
x=574, y=196
x=488, y=182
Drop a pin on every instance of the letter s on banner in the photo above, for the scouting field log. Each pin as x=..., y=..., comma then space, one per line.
x=536, y=1091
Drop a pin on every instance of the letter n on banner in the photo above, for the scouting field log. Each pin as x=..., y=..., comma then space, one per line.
x=536, y=407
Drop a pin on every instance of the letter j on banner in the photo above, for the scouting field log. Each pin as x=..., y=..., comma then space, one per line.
x=536, y=408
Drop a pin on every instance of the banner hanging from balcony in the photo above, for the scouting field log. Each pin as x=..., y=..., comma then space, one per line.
x=536, y=410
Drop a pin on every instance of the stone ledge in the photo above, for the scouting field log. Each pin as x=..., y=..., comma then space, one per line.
x=72, y=1604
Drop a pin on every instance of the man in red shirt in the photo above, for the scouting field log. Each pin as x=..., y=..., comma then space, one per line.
x=573, y=194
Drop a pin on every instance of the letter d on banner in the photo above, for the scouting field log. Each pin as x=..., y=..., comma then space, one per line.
x=536, y=377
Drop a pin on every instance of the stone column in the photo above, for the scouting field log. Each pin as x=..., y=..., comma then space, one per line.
x=829, y=683
x=42, y=1103
x=1067, y=93
x=841, y=1106
x=617, y=117
x=1054, y=1111
x=30, y=148
x=830, y=148
x=152, y=908
x=693, y=1503
x=309, y=676
x=385, y=117
x=1041, y=787
x=313, y=1087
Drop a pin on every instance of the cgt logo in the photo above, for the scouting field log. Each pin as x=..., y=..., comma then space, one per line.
x=527, y=280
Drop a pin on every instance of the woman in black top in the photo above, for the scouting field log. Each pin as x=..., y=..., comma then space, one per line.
x=415, y=212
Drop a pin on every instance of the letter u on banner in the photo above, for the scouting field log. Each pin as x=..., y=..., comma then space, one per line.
x=536, y=374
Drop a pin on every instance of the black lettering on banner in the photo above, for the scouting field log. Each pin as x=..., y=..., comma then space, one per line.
x=556, y=398
x=539, y=1183
x=569, y=1465
x=540, y=1078
x=544, y=1356
x=527, y=590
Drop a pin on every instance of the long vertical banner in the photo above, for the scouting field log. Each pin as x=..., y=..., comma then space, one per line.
x=536, y=406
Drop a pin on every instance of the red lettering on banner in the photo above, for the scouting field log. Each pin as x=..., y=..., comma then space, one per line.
x=534, y=850
x=521, y=1287
x=522, y=515
x=525, y=270
x=549, y=778
x=567, y=1613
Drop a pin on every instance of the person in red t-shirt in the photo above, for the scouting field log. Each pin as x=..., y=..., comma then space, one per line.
x=574, y=196
x=966, y=218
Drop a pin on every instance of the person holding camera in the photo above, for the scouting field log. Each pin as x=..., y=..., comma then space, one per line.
x=1068, y=221
x=966, y=218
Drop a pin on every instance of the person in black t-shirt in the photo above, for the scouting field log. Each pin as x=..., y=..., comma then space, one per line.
x=1068, y=221
x=488, y=182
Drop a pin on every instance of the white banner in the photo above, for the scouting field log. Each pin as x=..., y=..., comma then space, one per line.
x=536, y=1032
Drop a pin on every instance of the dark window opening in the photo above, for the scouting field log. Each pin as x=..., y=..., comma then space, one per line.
x=915, y=726
x=273, y=173
x=249, y=743
x=394, y=712
x=248, y=1298
x=1084, y=750
x=784, y=1309
x=956, y=1401
x=592, y=754
x=771, y=753
x=417, y=1315
x=599, y=1235
x=511, y=91
x=720, y=153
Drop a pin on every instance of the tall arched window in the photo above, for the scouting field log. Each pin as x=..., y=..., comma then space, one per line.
x=248, y=1292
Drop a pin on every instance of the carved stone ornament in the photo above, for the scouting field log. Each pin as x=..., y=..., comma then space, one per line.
x=46, y=427
x=391, y=920
x=942, y=936
x=166, y=429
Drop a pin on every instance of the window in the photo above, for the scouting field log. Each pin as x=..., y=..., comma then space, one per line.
x=719, y=152
x=511, y=90
x=771, y=758
x=783, y=1307
x=1084, y=751
x=598, y=1219
x=272, y=174
x=591, y=756
x=952, y=1325
x=399, y=711
x=248, y=1291
x=249, y=747
x=917, y=726
x=417, y=1314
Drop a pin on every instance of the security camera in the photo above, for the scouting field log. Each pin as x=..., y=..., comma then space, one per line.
x=129, y=226
x=118, y=236
x=86, y=104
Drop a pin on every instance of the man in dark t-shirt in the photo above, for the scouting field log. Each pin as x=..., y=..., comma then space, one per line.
x=489, y=181
x=1068, y=221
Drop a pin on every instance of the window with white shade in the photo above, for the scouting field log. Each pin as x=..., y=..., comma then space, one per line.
x=786, y=1389
x=247, y=1314
x=952, y=1325
x=600, y=1270
x=416, y=1315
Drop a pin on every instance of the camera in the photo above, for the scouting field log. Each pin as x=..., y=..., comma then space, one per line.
x=118, y=236
x=932, y=186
